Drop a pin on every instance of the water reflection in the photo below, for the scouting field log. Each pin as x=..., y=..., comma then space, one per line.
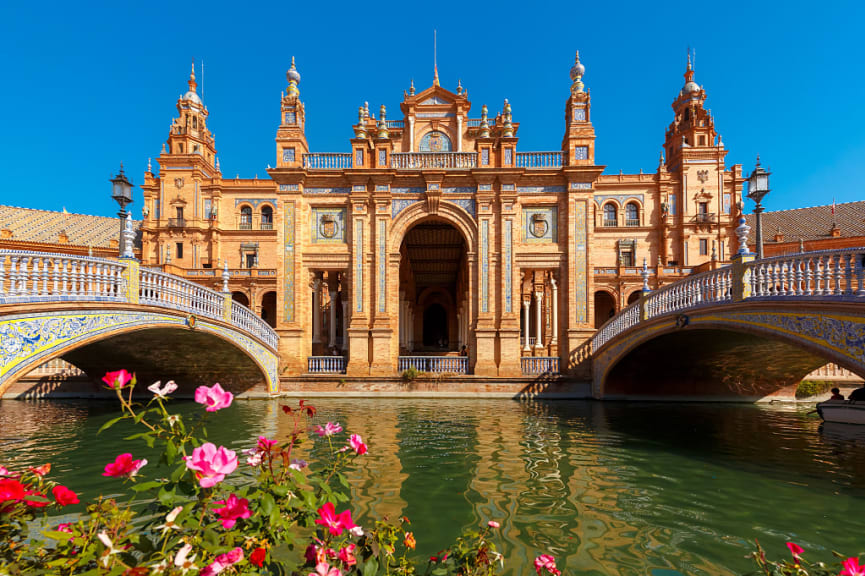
x=607, y=488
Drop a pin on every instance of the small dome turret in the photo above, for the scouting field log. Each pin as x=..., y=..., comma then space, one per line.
x=293, y=77
x=192, y=95
x=577, y=71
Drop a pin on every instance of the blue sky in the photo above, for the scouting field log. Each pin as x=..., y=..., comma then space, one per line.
x=88, y=85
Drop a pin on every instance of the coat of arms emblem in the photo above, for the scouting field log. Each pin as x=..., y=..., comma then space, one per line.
x=327, y=226
x=539, y=225
x=178, y=182
x=702, y=175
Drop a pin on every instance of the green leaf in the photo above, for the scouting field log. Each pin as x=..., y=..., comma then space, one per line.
x=371, y=567
x=170, y=452
x=178, y=472
x=110, y=423
x=437, y=572
x=267, y=504
x=166, y=497
x=146, y=486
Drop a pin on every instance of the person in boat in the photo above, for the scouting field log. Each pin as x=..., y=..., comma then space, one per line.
x=836, y=394
x=858, y=395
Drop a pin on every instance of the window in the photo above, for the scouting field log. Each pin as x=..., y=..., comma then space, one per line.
x=509, y=156
x=626, y=252
x=195, y=122
x=632, y=214
x=358, y=158
x=288, y=154
x=702, y=140
x=485, y=156
x=179, y=250
x=702, y=207
x=610, y=216
x=179, y=210
x=251, y=260
x=704, y=247
x=246, y=218
x=266, y=218
x=382, y=158
x=673, y=204
x=181, y=148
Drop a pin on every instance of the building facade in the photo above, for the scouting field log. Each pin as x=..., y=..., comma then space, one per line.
x=435, y=235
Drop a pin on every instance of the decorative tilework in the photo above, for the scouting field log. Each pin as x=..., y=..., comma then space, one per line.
x=485, y=266
x=433, y=186
x=581, y=185
x=509, y=156
x=288, y=154
x=290, y=118
x=358, y=265
x=381, y=188
x=459, y=190
x=485, y=156
x=509, y=187
x=327, y=225
x=288, y=280
x=540, y=224
x=580, y=260
x=540, y=189
x=289, y=187
x=435, y=115
x=358, y=157
x=581, y=152
x=358, y=188
x=382, y=265
x=326, y=190
x=620, y=198
x=467, y=204
x=253, y=201
x=400, y=204
x=382, y=158
x=404, y=190
x=487, y=187
x=508, y=256
x=579, y=114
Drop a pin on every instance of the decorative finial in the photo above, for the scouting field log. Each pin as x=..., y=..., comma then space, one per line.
x=293, y=77
x=742, y=231
x=507, y=126
x=218, y=169
x=366, y=110
x=411, y=88
x=149, y=167
x=225, y=276
x=459, y=87
x=577, y=71
x=360, y=129
x=485, y=125
x=714, y=252
x=192, y=83
x=645, y=274
x=128, y=238
x=168, y=253
x=382, y=122
x=163, y=147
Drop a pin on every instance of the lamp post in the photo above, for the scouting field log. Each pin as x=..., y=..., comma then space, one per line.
x=121, y=191
x=758, y=187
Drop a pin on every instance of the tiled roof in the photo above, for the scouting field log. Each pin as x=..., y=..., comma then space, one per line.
x=29, y=225
x=811, y=223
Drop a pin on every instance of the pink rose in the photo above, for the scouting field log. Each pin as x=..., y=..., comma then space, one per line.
x=211, y=464
x=852, y=567
x=234, y=509
x=325, y=569
x=329, y=429
x=118, y=379
x=356, y=442
x=124, y=465
x=214, y=397
x=546, y=563
x=264, y=444
x=493, y=524
x=162, y=391
x=334, y=522
x=346, y=555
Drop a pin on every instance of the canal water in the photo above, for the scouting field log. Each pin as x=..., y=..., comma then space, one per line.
x=607, y=488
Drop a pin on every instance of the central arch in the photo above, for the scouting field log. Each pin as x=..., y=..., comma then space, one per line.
x=435, y=301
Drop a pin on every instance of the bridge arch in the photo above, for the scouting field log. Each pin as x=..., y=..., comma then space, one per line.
x=156, y=345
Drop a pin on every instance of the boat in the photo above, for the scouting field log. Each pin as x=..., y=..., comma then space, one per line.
x=841, y=411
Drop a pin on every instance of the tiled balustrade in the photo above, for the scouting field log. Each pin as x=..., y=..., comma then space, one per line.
x=449, y=364
x=325, y=364
x=539, y=364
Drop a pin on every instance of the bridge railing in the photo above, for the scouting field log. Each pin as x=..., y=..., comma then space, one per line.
x=42, y=277
x=834, y=274
x=45, y=277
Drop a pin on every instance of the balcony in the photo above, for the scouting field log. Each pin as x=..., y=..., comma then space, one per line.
x=449, y=364
x=176, y=223
x=267, y=225
x=244, y=225
x=632, y=222
x=610, y=223
x=440, y=160
x=706, y=218
x=539, y=159
x=539, y=364
x=327, y=161
x=325, y=364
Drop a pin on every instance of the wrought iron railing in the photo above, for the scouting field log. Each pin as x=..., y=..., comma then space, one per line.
x=539, y=159
x=325, y=364
x=443, y=160
x=176, y=223
x=539, y=364
x=450, y=364
x=327, y=161
x=40, y=277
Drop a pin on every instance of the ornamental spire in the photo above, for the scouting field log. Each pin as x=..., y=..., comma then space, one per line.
x=293, y=77
x=192, y=84
x=435, y=62
x=577, y=71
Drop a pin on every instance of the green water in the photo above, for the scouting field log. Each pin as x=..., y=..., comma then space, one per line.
x=607, y=488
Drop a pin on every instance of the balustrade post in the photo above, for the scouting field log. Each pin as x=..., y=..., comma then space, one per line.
x=742, y=271
x=2, y=274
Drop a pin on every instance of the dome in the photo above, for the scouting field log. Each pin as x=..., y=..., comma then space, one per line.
x=577, y=70
x=691, y=87
x=293, y=74
x=192, y=96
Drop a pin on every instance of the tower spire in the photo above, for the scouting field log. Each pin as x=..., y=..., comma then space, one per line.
x=192, y=84
x=435, y=61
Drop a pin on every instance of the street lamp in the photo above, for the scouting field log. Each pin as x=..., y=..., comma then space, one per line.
x=758, y=187
x=121, y=191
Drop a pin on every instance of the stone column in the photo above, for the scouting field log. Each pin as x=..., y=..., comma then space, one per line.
x=526, y=304
x=554, y=340
x=344, y=322
x=539, y=302
x=316, y=309
x=331, y=293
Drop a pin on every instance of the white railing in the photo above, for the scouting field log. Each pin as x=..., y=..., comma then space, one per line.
x=325, y=364
x=826, y=274
x=833, y=273
x=395, y=123
x=532, y=341
x=539, y=159
x=327, y=161
x=42, y=277
x=444, y=160
x=452, y=364
x=539, y=364
x=55, y=367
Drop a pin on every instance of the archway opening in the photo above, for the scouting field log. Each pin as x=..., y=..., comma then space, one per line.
x=605, y=307
x=635, y=295
x=434, y=296
x=268, y=308
x=240, y=298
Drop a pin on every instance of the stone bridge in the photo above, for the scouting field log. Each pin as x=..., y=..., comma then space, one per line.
x=750, y=330
x=102, y=315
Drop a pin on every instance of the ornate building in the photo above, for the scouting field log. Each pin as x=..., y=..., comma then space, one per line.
x=435, y=231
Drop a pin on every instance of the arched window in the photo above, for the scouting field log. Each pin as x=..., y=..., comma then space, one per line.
x=632, y=214
x=246, y=218
x=435, y=141
x=610, y=216
x=266, y=217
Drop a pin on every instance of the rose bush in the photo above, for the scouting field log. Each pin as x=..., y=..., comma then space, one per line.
x=798, y=566
x=209, y=514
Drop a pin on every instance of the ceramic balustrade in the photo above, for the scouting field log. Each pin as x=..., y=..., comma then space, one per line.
x=42, y=277
x=443, y=160
x=327, y=161
x=325, y=364
x=539, y=159
x=451, y=364
x=539, y=365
